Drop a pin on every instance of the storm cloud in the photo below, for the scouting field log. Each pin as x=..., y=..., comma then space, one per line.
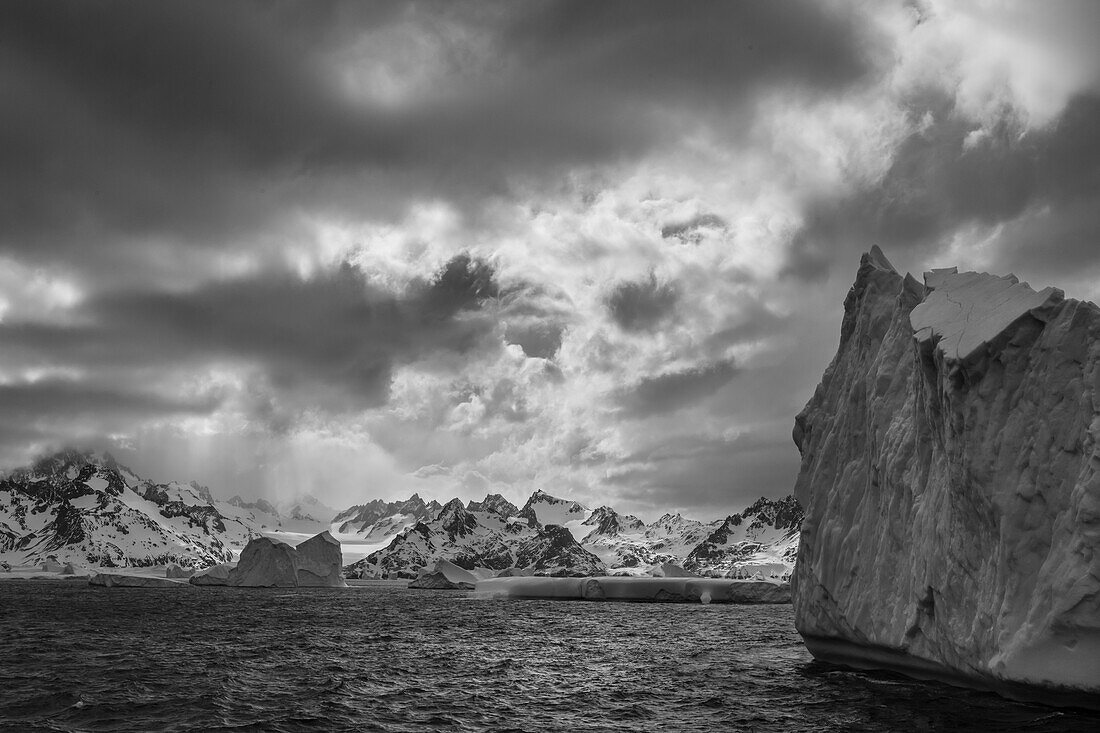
x=594, y=248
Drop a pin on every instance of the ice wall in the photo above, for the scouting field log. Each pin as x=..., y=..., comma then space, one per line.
x=949, y=476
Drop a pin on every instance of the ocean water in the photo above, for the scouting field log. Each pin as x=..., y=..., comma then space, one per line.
x=383, y=658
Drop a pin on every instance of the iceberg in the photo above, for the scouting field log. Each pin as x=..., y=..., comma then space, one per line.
x=657, y=590
x=266, y=563
x=444, y=575
x=216, y=575
x=175, y=571
x=951, y=481
x=320, y=561
x=269, y=563
x=125, y=580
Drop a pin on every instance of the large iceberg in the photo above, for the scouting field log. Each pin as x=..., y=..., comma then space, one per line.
x=269, y=563
x=668, y=589
x=949, y=474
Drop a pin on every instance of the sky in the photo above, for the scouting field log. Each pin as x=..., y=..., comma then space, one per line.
x=599, y=249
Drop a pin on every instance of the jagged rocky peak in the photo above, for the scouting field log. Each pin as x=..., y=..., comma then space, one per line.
x=494, y=504
x=785, y=513
x=609, y=523
x=951, y=481
x=260, y=505
x=762, y=538
x=455, y=520
x=543, y=509
x=554, y=551
x=365, y=517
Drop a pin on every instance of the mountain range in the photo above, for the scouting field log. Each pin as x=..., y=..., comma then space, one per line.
x=88, y=509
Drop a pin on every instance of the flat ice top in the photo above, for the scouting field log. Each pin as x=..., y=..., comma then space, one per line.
x=967, y=310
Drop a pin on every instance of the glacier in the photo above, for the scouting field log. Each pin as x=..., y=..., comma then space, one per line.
x=950, y=476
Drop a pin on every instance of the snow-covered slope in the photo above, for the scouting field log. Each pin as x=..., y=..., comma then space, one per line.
x=545, y=510
x=87, y=509
x=478, y=540
x=951, y=481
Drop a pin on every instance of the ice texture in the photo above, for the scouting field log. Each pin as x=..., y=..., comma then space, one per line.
x=133, y=580
x=269, y=563
x=216, y=575
x=444, y=575
x=671, y=589
x=951, y=481
x=320, y=561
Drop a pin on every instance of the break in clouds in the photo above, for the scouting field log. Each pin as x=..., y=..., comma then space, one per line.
x=598, y=249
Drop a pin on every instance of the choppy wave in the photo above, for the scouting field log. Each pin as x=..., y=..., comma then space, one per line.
x=75, y=658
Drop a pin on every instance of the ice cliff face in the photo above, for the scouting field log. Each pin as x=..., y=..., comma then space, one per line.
x=950, y=482
x=269, y=563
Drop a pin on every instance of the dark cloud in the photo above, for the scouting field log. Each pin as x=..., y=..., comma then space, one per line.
x=536, y=318
x=126, y=122
x=706, y=475
x=672, y=391
x=939, y=182
x=689, y=230
x=539, y=339
x=331, y=338
x=54, y=412
x=52, y=398
x=702, y=49
x=639, y=306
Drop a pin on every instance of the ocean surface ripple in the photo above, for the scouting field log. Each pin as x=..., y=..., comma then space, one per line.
x=383, y=658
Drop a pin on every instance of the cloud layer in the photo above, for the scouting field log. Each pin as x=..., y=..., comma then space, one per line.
x=598, y=249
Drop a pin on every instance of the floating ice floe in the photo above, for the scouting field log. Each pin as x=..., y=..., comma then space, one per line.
x=668, y=589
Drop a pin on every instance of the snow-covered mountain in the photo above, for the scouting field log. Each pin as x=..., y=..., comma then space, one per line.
x=87, y=509
x=764, y=537
x=378, y=520
x=552, y=536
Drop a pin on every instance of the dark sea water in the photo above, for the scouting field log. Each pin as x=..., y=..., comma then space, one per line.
x=382, y=658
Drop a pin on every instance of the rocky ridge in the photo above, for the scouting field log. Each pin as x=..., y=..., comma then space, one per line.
x=559, y=537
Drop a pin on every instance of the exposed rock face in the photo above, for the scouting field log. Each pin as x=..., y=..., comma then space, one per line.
x=950, y=480
x=543, y=509
x=606, y=522
x=378, y=519
x=494, y=504
x=553, y=551
x=764, y=537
